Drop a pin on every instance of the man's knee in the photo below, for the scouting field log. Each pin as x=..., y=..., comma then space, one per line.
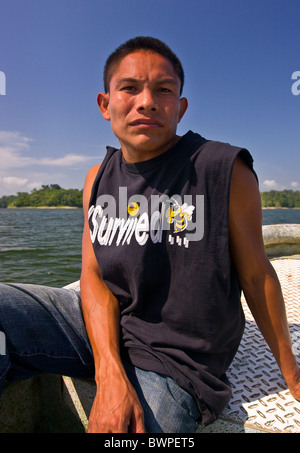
x=14, y=307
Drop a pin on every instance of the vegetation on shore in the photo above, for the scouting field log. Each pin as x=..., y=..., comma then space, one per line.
x=55, y=196
x=281, y=199
x=48, y=196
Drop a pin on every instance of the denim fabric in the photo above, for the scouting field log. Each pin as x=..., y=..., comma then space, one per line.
x=45, y=333
x=167, y=407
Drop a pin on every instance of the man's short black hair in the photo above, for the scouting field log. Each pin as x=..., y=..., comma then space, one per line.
x=143, y=43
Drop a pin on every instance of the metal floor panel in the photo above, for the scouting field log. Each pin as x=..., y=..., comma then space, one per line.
x=260, y=399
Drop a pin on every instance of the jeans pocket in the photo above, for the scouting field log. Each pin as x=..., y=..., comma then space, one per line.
x=184, y=399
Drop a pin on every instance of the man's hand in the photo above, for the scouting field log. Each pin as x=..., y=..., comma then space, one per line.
x=294, y=386
x=116, y=409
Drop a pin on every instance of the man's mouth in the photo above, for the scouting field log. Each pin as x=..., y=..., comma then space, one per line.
x=145, y=123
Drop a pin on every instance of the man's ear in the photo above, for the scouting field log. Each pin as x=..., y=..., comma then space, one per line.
x=103, y=103
x=183, y=107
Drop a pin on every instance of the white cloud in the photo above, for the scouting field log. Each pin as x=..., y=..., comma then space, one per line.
x=20, y=170
x=14, y=140
x=13, y=144
x=13, y=181
x=18, y=184
x=271, y=184
x=68, y=160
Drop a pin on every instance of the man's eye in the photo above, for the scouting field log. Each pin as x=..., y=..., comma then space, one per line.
x=164, y=90
x=128, y=88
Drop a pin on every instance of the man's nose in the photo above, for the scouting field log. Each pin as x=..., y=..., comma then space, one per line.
x=147, y=101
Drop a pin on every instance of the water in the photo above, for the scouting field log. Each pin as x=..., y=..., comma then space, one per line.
x=43, y=246
x=277, y=216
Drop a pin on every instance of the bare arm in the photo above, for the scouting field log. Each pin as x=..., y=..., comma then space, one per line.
x=116, y=404
x=257, y=276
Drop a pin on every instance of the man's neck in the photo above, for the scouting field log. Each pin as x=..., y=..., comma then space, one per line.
x=133, y=155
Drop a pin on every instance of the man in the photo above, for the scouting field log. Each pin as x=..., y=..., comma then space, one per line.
x=172, y=231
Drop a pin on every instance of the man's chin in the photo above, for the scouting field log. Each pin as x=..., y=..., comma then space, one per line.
x=145, y=145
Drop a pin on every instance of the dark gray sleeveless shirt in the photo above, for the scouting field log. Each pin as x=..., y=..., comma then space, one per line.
x=160, y=234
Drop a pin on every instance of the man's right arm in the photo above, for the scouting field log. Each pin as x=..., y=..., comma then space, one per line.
x=116, y=405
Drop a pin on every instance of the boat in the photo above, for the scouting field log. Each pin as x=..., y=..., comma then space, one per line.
x=281, y=240
x=260, y=402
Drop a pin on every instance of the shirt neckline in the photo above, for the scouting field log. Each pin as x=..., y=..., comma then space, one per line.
x=155, y=162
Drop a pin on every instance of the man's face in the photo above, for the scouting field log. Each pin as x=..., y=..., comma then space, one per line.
x=144, y=105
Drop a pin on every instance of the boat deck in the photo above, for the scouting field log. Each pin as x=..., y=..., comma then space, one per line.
x=260, y=400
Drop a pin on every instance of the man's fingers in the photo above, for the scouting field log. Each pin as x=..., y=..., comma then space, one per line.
x=137, y=421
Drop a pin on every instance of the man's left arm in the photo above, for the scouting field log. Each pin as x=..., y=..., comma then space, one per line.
x=257, y=276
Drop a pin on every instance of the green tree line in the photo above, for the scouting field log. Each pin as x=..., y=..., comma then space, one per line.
x=49, y=195
x=53, y=195
x=281, y=199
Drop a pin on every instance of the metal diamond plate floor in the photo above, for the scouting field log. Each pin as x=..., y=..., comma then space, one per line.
x=260, y=397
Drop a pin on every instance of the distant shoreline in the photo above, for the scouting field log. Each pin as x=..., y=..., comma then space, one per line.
x=42, y=207
x=76, y=207
x=279, y=207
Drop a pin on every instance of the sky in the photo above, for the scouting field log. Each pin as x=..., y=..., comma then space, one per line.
x=239, y=58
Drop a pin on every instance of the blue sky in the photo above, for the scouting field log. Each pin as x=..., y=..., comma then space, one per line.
x=238, y=55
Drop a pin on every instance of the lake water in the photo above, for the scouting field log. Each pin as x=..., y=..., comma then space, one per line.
x=43, y=246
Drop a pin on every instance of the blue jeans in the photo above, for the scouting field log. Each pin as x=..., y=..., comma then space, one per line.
x=44, y=332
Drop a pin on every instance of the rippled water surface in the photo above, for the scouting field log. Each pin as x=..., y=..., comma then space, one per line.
x=43, y=246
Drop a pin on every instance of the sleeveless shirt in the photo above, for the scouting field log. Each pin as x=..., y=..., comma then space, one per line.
x=159, y=229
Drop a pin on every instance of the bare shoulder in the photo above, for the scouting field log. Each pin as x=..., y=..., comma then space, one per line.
x=242, y=174
x=244, y=189
x=91, y=174
x=245, y=221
